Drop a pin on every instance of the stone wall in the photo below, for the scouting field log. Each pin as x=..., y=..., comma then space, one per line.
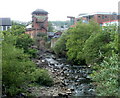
x=53, y=41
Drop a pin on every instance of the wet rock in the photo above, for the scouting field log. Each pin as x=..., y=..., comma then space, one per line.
x=72, y=89
x=55, y=95
x=68, y=92
x=76, y=77
x=61, y=78
x=43, y=61
x=63, y=94
x=63, y=84
x=91, y=90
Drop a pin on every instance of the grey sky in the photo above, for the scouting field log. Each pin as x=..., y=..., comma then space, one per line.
x=58, y=9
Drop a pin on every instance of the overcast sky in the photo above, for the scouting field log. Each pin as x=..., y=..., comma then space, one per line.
x=58, y=9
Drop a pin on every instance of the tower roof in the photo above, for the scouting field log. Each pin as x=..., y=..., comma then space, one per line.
x=40, y=11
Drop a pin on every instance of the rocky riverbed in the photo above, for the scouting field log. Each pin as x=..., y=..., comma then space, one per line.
x=69, y=80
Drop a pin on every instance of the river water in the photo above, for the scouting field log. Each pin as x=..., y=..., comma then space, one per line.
x=76, y=78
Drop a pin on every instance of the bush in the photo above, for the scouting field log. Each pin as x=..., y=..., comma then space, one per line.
x=94, y=46
x=99, y=45
x=60, y=45
x=17, y=69
x=106, y=76
x=32, y=52
x=76, y=40
x=42, y=77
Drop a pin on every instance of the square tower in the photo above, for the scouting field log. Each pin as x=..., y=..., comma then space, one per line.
x=40, y=21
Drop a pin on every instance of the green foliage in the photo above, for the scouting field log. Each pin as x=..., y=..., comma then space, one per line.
x=76, y=40
x=24, y=41
x=17, y=37
x=61, y=23
x=17, y=29
x=60, y=45
x=50, y=27
x=42, y=77
x=41, y=34
x=106, y=76
x=96, y=45
x=16, y=68
x=32, y=52
x=100, y=43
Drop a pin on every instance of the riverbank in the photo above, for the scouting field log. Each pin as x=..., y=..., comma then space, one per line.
x=69, y=80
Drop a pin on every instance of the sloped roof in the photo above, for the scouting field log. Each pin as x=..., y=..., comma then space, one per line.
x=40, y=11
x=5, y=22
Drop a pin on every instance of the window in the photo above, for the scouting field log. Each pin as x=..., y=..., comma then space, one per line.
x=98, y=16
x=103, y=16
x=118, y=17
x=4, y=28
x=115, y=17
x=90, y=17
x=106, y=17
x=8, y=27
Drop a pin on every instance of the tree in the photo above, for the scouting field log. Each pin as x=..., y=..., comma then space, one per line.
x=17, y=29
x=106, y=76
x=96, y=45
x=76, y=40
x=60, y=45
x=106, y=73
x=17, y=69
x=50, y=27
x=100, y=43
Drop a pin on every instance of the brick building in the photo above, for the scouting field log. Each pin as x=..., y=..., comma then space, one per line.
x=99, y=17
x=39, y=23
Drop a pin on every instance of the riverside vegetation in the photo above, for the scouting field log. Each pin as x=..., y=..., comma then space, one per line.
x=18, y=70
x=95, y=46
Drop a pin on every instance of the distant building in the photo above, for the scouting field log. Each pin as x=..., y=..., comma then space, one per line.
x=39, y=23
x=99, y=17
x=54, y=35
x=72, y=20
x=50, y=35
x=5, y=24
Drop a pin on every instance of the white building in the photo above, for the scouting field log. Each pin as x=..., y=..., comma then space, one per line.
x=5, y=24
x=114, y=22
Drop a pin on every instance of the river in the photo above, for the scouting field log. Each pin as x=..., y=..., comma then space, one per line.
x=75, y=78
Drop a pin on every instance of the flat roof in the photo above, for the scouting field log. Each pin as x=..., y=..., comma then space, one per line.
x=5, y=22
x=94, y=13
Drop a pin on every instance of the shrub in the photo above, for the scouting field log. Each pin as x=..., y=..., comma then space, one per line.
x=106, y=76
x=42, y=77
x=76, y=40
x=100, y=43
x=60, y=45
x=17, y=69
x=94, y=46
